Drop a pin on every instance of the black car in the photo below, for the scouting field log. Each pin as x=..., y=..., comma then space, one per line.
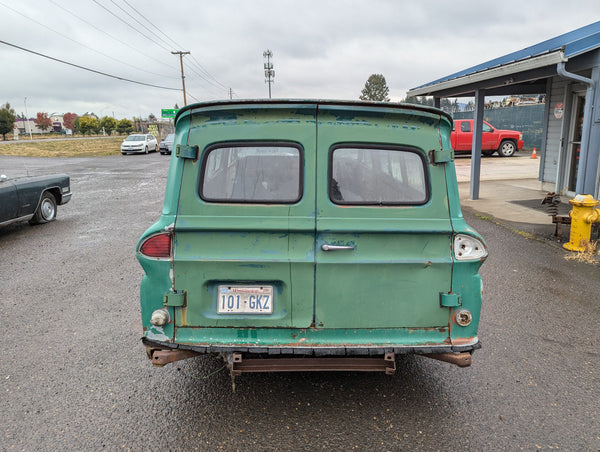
x=166, y=145
x=32, y=198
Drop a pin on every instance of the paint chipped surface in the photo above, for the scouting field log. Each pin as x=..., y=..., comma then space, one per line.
x=157, y=333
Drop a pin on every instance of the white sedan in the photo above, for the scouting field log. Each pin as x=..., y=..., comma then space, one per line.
x=139, y=143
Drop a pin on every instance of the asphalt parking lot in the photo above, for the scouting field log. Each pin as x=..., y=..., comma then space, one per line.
x=75, y=376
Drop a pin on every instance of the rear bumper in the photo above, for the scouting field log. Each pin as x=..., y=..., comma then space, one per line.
x=347, y=350
x=65, y=198
x=309, y=358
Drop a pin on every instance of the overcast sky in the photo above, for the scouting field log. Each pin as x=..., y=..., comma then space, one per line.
x=321, y=49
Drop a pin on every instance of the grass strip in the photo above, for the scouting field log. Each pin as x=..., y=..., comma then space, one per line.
x=71, y=147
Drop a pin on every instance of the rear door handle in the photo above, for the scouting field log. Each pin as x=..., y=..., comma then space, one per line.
x=326, y=247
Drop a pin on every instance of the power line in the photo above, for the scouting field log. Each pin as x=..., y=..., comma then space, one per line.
x=130, y=26
x=206, y=76
x=219, y=86
x=207, y=73
x=88, y=69
x=193, y=97
x=115, y=38
x=139, y=23
x=77, y=42
x=158, y=29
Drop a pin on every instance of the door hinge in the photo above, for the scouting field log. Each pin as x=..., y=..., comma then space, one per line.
x=441, y=155
x=177, y=298
x=186, y=151
x=450, y=300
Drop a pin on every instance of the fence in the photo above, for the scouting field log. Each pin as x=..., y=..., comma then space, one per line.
x=527, y=119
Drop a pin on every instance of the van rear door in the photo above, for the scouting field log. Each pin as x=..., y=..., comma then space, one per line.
x=244, y=233
x=383, y=239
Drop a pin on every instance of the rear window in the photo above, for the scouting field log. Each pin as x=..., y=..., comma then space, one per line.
x=265, y=173
x=377, y=176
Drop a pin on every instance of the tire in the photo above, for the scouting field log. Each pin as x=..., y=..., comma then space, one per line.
x=507, y=148
x=46, y=210
x=146, y=149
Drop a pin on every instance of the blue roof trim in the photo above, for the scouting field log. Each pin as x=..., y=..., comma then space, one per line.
x=574, y=42
x=583, y=45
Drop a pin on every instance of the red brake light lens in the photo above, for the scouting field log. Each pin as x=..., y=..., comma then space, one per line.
x=157, y=246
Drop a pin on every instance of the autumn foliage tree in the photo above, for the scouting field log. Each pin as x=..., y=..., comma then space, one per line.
x=108, y=124
x=88, y=124
x=124, y=126
x=43, y=122
x=68, y=121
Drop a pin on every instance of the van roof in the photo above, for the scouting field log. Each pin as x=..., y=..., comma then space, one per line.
x=359, y=105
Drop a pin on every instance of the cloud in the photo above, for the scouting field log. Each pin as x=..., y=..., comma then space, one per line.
x=322, y=49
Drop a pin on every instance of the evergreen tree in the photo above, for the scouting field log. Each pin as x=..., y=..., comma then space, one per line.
x=7, y=120
x=375, y=89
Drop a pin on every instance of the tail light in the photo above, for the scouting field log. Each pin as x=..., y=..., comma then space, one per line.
x=469, y=248
x=157, y=246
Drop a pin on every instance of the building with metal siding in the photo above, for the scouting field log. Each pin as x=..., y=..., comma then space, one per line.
x=565, y=68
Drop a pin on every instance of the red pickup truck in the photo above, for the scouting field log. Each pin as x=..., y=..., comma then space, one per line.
x=505, y=142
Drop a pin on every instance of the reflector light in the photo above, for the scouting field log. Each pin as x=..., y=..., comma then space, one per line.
x=157, y=246
x=468, y=248
x=463, y=317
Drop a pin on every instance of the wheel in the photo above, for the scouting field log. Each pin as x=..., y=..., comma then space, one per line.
x=507, y=149
x=46, y=211
x=146, y=149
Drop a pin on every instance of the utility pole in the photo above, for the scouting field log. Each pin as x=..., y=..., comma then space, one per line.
x=180, y=53
x=269, y=72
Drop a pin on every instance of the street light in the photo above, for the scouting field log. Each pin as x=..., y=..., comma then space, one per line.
x=27, y=120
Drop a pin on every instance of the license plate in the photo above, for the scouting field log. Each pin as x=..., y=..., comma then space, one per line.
x=245, y=300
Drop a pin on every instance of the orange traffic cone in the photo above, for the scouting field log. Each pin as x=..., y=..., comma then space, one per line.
x=534, y=154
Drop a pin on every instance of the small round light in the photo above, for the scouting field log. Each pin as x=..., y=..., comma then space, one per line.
x=463, y=317
x=160, y=317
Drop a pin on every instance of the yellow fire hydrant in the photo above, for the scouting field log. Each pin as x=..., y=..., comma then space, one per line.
x=583, y=215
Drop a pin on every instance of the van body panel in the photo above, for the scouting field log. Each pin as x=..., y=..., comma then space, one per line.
x=356, y=249
x=313, y=338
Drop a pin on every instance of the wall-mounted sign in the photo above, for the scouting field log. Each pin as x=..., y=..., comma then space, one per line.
x=559, y=110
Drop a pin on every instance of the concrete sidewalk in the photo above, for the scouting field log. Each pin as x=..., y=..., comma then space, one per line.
x=516, y=203
x=511, y=194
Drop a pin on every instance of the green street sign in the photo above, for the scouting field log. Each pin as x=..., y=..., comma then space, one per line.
x=169, y=112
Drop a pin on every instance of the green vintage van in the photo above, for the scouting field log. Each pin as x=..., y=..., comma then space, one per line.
x=311, y=235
